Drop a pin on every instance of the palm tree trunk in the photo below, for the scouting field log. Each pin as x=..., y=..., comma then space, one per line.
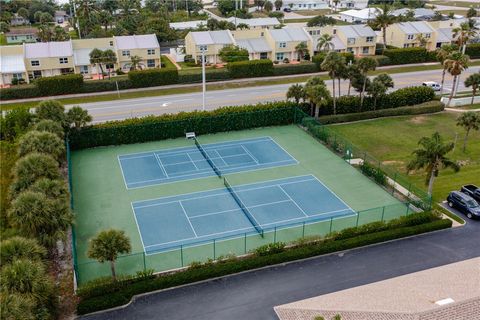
x=339, y=87
x=112, y=268
x=443, y=80
x=453, y=89
x=349, y=86
x=362, y=94
x=465, y=140
x=384, y=34
x=430, y=182
x=473, y=94
x=334, y=100
x=317, y=111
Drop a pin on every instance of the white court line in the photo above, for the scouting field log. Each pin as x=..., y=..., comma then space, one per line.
x=191, y=160
x=313, y=215
x=251, y=155
x=123, y=174
x=160, y=164
x=138, y=227
x=283, y=190
x=334, y=194
x=221, y=158
x=273, y=140
x=188, y=219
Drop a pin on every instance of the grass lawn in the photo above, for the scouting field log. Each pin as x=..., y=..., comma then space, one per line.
x=462, y=4
x=259, y=14
x=286, y=21
x=167, y=62
x=470, y=107
x=392, y=141
x=319, y=12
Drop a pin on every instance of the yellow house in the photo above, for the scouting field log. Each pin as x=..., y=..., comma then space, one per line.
x=144, y=46
x=409, y=34
x=12, y=65
x=284, y=42
x=81, y=53
x=210, y=42
x=46, y=59
x=254, y=41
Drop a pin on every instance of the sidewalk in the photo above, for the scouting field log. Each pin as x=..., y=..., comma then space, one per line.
x=198, y=84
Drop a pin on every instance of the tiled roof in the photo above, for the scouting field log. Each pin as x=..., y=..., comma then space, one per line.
x=355, y=31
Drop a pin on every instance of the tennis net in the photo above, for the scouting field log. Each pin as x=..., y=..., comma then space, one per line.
x=253, y=221
x=205, y=155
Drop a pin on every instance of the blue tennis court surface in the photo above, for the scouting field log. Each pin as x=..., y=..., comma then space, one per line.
x=157, y=167
x=190, y=218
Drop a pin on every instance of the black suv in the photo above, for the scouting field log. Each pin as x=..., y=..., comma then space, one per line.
x=464, y=203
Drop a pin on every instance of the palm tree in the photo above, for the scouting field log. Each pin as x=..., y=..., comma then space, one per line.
x=44, y=33
x=312, y=81
x=351, y=73
x=296, y=92
x=365, y=64
x=473, y=81
x=432, y=157
x=16, y=306
x=333, y=63
x=87, y=15
x=109, y=58
x=135, y=62
x=325, y=43
x=376, y=90
x=301, y=49
x=469, y=121
x=442, y=55
x=318, y=95
x=422, y=41
x=278, y=4
x=463, y=34
x=383, y=19
x=107, y=245
x=78, y=117
x=96, y=59
x=335, y=2
x=41, y=142
x=50, y=126
x=455, y=64
x=20, y=248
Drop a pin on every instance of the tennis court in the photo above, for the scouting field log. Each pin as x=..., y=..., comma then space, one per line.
x=187, y=219
x=158, y=167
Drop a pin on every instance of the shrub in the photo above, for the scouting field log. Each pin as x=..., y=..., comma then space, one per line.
x=41, y=142
x=409, y=96
x=51, y=110
x=70, y=83
x=107, y=85
x=50, y=126
x=21, y=248
x=20, y=92
x=374, y=172
x=408, y=55
x=285, y=69
x=195, y=76
x=382, y=60
x=349, y=57
x=318, y=59
x=251, y=68
x=14, y=123
x=473, y=50
x=271, y=248
x=153, y=77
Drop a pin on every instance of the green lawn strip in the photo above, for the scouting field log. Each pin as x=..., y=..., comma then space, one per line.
x=313, y=13
x=220, y=86
x=449, y=214
x=121, y=293
x=167, y=62
x=392, y=141
x=453, y=4
x=469, y=107
x=299, y=20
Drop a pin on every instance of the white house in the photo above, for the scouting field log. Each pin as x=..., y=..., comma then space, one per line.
x=359, y=16
x=305, y=4
x=186, y=25
x=349, y=4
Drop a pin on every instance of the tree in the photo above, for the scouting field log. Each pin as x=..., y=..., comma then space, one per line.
x=296, y=92
x=332, y=64
x=41, y=142
x=455, y=64
x=365, y=64
x=243, y=26
x=4, y=27
x=442, y=54
x=437, y=16
x=226, y=6
x=463, y=34
x=23, y=12
x=268, y=6
x=318, y=95
x=135, y=63
x=59, y=34
x=473, y=81
x=96, y=59
x=15, y=122
x=278, y=4
x=422, y=41
x=335, y=3
x=50, y=126
x=383, y=19
x=471, y=13
x=78, y=117
x=351, y=72
x=53, y=189
x=325, y=43
x=320, y=21
x=301, y=49
x=469, y=121
x=44, y=33
x=233, y=53
x=87, y=14
x=31, y=168
x=376, y=90
x=15, y=306
x=16, y=248
x=107, y=245
x=109, y=58
x=431, y=156
x=51, y=110
x=385, y=79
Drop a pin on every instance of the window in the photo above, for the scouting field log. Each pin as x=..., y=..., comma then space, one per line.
x=111, y=43
x=29, y=37
x=351, y=41
x=18, y=76
x=405, y=45
x=109, y=66
x=35, y=63
x=279, y=56
x=126, y=53
x=282, y=44
x=66, y=70
x=84, y=69
x=203, y=48
x=410, y=37
x=151, y=63
x=350, y=49
x=14, y=38
x=63, y=60
x=369, y=39
x=428, y=35
x=262, y=34
x=37, y=74
x=365, y=50
x=150, y=52
x=263, y=55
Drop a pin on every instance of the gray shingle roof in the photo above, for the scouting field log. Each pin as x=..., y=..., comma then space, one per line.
x=255, y=22
x=145, y=41
x=415, y=27
x=48, y=49
x=289, y=34
x=212, y=37
x=12, y=64
x=254, y=45
x=356, y=31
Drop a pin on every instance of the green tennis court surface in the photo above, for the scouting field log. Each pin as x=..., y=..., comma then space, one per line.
x=102, y=201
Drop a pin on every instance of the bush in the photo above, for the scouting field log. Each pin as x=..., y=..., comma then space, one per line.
x=175, y=125
x=251, y=68
x=473, y=50
x=428, y=107
x=195, y=76
x=153, y=77
x=373, y=172
x=51, y=110
x=107, y=85
x=271, y=248
x=318, y=59
x=50, y=126
x=349, y=57
x=286, y=69
x=15, y=122
x=111, y=294
x=19, y=92
x=69, y=83
x=408, y=55
x=382, y=60
x=41, y=142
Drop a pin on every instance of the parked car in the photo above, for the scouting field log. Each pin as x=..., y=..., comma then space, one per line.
x=287, y=9
x=472, y=190
x=464, y=203
x=432, y=84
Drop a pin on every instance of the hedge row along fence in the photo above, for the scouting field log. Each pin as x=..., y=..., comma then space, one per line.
x=109, y=295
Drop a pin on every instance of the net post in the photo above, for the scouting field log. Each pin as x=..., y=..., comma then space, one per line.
x=383, y=212
x=245, y=243
x=181, y=254
x=144, y=262
x=358, y=218
x=303, y=230
x=214, y=251
x=331, y=223
x=275, y=234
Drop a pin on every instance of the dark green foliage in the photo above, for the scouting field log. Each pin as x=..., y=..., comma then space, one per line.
x=382, y=60
x=153, y=77
x=409, y=55
x=285, y=69
x=195, y=76
x=107, y=85
x=428, y=107
x=19, y=92
x=252, y=68
x=111, y=294
x=318, y=59
x=70, y=83
x=349, y=57
x=473, y=50
x=169, y=126
x=51, y=110
x=14, y=123
x=269, y=249
x=374, y=172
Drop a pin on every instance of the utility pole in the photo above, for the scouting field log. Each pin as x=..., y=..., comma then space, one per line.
x=204, y=87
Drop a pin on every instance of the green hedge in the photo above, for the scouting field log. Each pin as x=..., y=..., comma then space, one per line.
x=107, y=85
x=250, y=69
x=116, y=294
x=195, y=75
x=286, y=69
x=473, y=50
x=382, y=60
x=428, y=107
x=153, y=77
x=64, y=84
x=409, y=55
x=19, y=92
x=169, y=126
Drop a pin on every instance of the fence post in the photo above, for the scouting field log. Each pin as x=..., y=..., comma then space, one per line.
x=144, y=262
x=394, y=182
x=181, y=253
x=214, y=251
x=383, y=212
x=331, y=222
x=358, y=217
x=303, y=230
x=245, y=243
x=275, y=235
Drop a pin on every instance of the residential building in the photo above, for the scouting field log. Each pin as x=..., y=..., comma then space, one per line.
x=254, y=41
x=21, y=35
x=349, y=4
x=61, y=17
x=209, y=42
x=284, y=41
x=34, y=60
x=359, y=16
x=256, y=23
x=305, y=4
x=17, y=20
x=418, y=13
x=411, y=34
x=357, y=39
x=186, y=25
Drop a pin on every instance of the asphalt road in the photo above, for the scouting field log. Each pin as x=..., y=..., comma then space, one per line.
x=253, y=295
x=121, y=109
